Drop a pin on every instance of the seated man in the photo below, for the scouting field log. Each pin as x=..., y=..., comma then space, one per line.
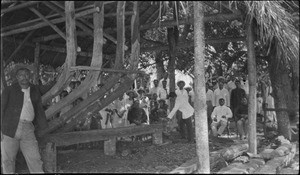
x=220, y=116
x=137, y=115
x=241, y=114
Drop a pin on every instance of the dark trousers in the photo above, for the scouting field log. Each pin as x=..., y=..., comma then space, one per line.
x=186, y=128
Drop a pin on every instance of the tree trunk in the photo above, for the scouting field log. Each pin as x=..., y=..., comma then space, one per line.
x=280, y=81
x=201, y=126
x=252, y=89
x=160, y=70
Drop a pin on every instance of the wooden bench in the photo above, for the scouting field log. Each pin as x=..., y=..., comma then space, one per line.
x=50, y=142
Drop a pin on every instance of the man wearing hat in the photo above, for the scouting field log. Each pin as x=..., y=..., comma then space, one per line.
x=220, y=116
x=182, y=104
x=221, y=92
x=21, y=112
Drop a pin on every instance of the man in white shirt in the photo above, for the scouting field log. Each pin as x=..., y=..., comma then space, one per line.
x=220, y=116
x=163, y=92
x=165, y=77
x=230, y=85
x=182, y=104
x=221, y=92
x=155, y=88
x=209, y=102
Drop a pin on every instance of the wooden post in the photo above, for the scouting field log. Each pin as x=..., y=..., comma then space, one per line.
x=49, y=157
x=110, y=146
x=120, y=35
x=202, y=143
x=157, y=138
x=36, y=63
x=252, y=89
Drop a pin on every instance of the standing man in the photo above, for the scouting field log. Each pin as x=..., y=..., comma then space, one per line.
x=155, y=88
x=22, y=111
x=221, y=92
x=165, y=77
x=182, y=104
x=163, y=92
x=241, y=114
x=236, y=97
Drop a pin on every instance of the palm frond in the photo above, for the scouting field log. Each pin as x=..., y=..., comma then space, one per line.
x=274, y=21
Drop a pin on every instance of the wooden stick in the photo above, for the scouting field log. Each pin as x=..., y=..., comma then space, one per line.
x=48, y=22
x=105, y=70
x=23, y=5
x=56, y=36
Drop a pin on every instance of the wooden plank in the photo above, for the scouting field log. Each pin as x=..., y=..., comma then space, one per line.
x=48, y=22
x=75, y=68
x=69, y=138
x=20, y=6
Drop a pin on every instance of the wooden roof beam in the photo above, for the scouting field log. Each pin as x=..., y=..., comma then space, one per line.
x=48, y=22
x=56, y=36
x=47, y=47
x=169, y=23
x=23, y=5
x=43, y=24
x=191, y=44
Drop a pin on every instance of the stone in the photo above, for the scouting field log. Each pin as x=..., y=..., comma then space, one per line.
x=266, y=154
x=288, y=171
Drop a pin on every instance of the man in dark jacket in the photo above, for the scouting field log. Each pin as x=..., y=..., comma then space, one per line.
x=236, y=97
x=241, y=114
x=21, y=107
x=136, y=114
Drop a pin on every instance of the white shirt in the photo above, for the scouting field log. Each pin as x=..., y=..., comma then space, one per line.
x=162, y=93
x=182, y=104
x=27, y=112
x=219, y=111
x=230, y=85
x=167, y=85
x=210, y=96
x=221, y=94
x=245, y=86
x=154, y=90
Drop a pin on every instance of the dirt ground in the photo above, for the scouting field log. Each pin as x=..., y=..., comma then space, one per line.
x=142, y=157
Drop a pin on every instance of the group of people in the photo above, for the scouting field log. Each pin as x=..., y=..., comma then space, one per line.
x=138, y=106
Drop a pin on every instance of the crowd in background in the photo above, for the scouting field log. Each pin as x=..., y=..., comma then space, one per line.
x=149, y=103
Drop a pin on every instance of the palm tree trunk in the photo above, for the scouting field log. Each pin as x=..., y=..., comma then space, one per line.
x=200, y=95
x=252, y=89
x=280, y=83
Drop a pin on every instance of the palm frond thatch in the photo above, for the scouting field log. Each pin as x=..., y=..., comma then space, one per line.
x=274, y=21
